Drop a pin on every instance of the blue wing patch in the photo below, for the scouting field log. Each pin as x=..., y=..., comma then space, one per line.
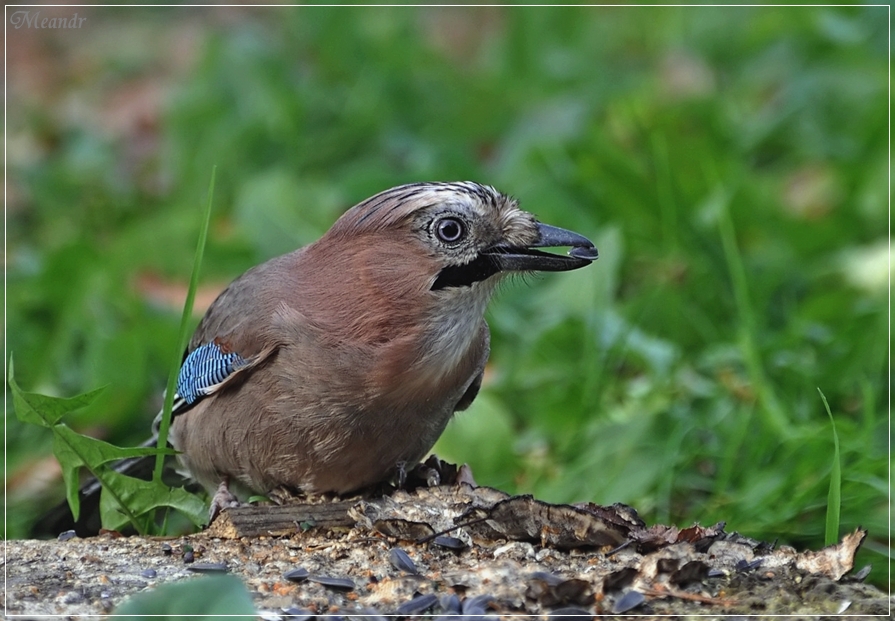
x=204, y=369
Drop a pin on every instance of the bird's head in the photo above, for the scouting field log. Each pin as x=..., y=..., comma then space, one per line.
x=462, y=233
x=410, y=271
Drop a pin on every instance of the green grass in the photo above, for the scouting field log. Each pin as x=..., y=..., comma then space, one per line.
x=834, y=496
x=730, y=163
x=184, y=332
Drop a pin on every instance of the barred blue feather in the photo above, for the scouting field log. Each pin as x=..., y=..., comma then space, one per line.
x=204, y=368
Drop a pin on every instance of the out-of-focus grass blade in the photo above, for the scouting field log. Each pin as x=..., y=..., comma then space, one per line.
x=184, y=331
x=834, y=496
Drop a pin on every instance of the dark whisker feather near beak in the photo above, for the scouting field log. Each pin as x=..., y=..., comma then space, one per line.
x=482, y=267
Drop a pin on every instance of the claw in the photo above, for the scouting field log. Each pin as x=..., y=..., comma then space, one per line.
x=223, y=499
x=432, y=476
x=401, y=474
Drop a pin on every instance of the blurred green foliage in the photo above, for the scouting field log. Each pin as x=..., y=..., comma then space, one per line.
x=730, y=163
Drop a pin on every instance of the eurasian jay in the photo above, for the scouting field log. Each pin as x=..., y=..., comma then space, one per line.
x=330, y=368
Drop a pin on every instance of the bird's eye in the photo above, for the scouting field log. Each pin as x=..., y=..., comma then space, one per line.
x=450, y=229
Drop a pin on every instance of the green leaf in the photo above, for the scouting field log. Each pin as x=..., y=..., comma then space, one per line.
x=834, y=496
x=74, y=451
x=91, y=452
x=208, y=598
x=141, y=497
x=44, y=410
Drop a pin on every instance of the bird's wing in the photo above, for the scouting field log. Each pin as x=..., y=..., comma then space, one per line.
x=211, y=366
x=232, y=339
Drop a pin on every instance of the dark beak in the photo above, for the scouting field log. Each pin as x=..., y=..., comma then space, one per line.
x=509, y=259
x=526, y=259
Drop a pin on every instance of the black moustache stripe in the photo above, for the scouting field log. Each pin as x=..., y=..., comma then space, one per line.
x=480, y=268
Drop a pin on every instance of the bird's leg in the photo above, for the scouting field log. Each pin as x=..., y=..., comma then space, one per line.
x=223, y=499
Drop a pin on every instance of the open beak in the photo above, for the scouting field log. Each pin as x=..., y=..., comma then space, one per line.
x=582, y=252
x=511, y=259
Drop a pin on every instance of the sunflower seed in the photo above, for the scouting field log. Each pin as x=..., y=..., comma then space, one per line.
x=450, y=604
x=569, y=614
x=300, y=574
x=399, y=559
x=417, y=604
x=451, y=543
x=208, y=568
x=340, y=584
x=628, y=601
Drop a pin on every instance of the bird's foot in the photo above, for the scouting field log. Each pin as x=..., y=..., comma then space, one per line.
x=223, y=499
x=431, y=473
x=431, y=476
x=419, y=475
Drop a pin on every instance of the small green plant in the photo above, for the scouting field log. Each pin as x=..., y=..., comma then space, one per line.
x=124, y=499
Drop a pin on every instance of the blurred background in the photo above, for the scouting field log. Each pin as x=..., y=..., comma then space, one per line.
x=729, y=163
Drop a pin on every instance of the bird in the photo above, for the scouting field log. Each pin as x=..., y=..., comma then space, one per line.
x=337, y=366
